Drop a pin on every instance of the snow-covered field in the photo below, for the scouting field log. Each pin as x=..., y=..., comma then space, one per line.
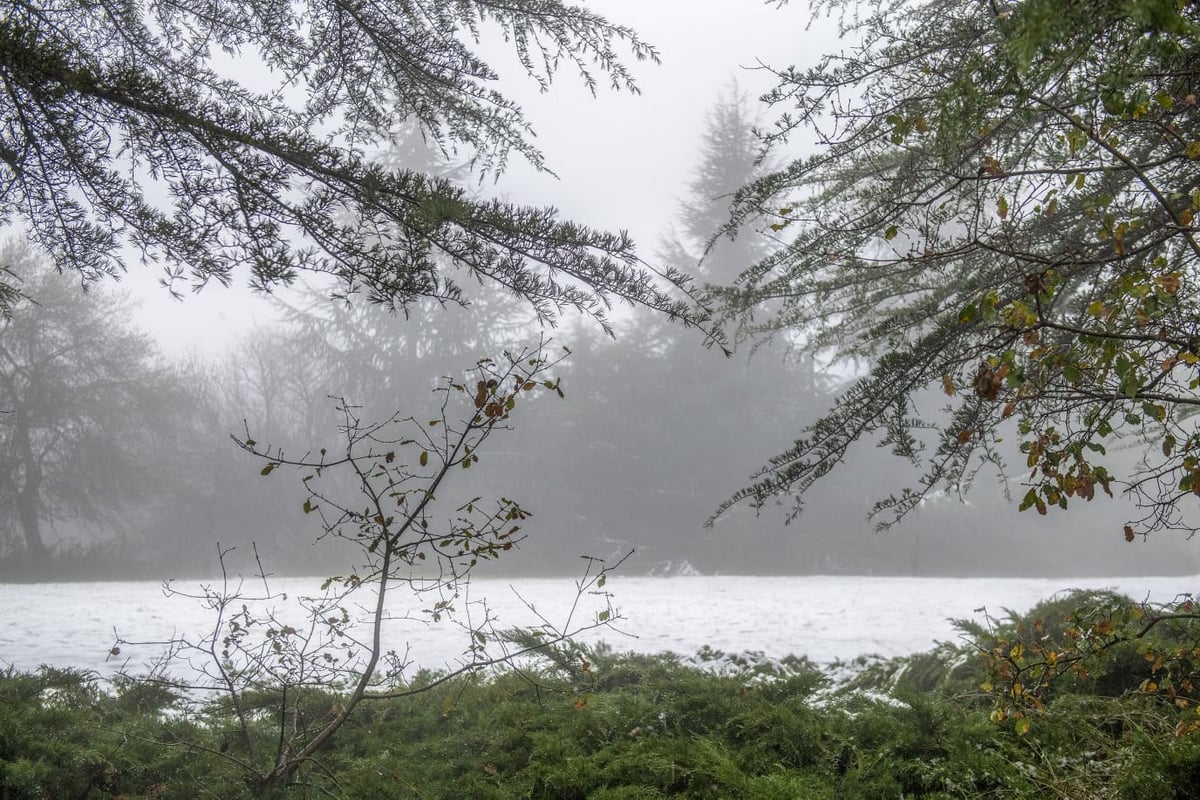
x=826, y=618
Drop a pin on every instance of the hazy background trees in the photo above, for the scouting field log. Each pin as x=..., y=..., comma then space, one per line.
x=657, y=429
x=89, y=414
x=664, y=422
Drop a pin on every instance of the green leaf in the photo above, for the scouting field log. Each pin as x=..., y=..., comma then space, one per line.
x=268, y=469
x=891, y=233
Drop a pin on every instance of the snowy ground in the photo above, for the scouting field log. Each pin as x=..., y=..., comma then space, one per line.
x=826, y=618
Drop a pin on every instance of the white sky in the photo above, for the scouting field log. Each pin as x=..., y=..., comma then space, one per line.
x=622, y=160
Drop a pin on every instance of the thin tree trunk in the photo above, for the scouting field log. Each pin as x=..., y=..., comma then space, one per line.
x=27, y=510
x=29, y=494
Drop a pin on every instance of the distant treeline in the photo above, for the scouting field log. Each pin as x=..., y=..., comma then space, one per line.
x=120, y=463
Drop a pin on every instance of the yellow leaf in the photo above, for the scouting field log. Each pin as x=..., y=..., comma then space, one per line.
x=991, y=167
x=1002, y=208
x=1021, y=726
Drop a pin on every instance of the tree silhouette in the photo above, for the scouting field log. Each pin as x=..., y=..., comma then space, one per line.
x=85, y=406
x=675, y=424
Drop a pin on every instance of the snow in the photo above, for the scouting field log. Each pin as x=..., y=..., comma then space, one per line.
x=826, y=618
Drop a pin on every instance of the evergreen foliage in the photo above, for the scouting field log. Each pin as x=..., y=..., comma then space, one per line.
x=1000, y=208
x=122, y=127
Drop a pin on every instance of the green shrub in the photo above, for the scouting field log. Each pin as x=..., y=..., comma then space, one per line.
x=592, y=723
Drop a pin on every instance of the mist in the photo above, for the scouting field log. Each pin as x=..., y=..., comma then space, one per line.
x=648, y=429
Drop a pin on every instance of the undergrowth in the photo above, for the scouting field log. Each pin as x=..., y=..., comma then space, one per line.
x=591, y=723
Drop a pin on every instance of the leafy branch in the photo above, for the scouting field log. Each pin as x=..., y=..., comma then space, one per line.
x=383, y=492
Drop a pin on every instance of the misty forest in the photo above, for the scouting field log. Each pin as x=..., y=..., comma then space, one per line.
x=924, y=301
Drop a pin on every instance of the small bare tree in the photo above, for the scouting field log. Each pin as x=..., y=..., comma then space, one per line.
x=269, y=672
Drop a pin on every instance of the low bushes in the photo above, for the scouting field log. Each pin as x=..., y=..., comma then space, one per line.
x=595, y=724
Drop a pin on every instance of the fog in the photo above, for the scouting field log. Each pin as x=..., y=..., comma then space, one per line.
x=619, y=161
x=652, y=431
